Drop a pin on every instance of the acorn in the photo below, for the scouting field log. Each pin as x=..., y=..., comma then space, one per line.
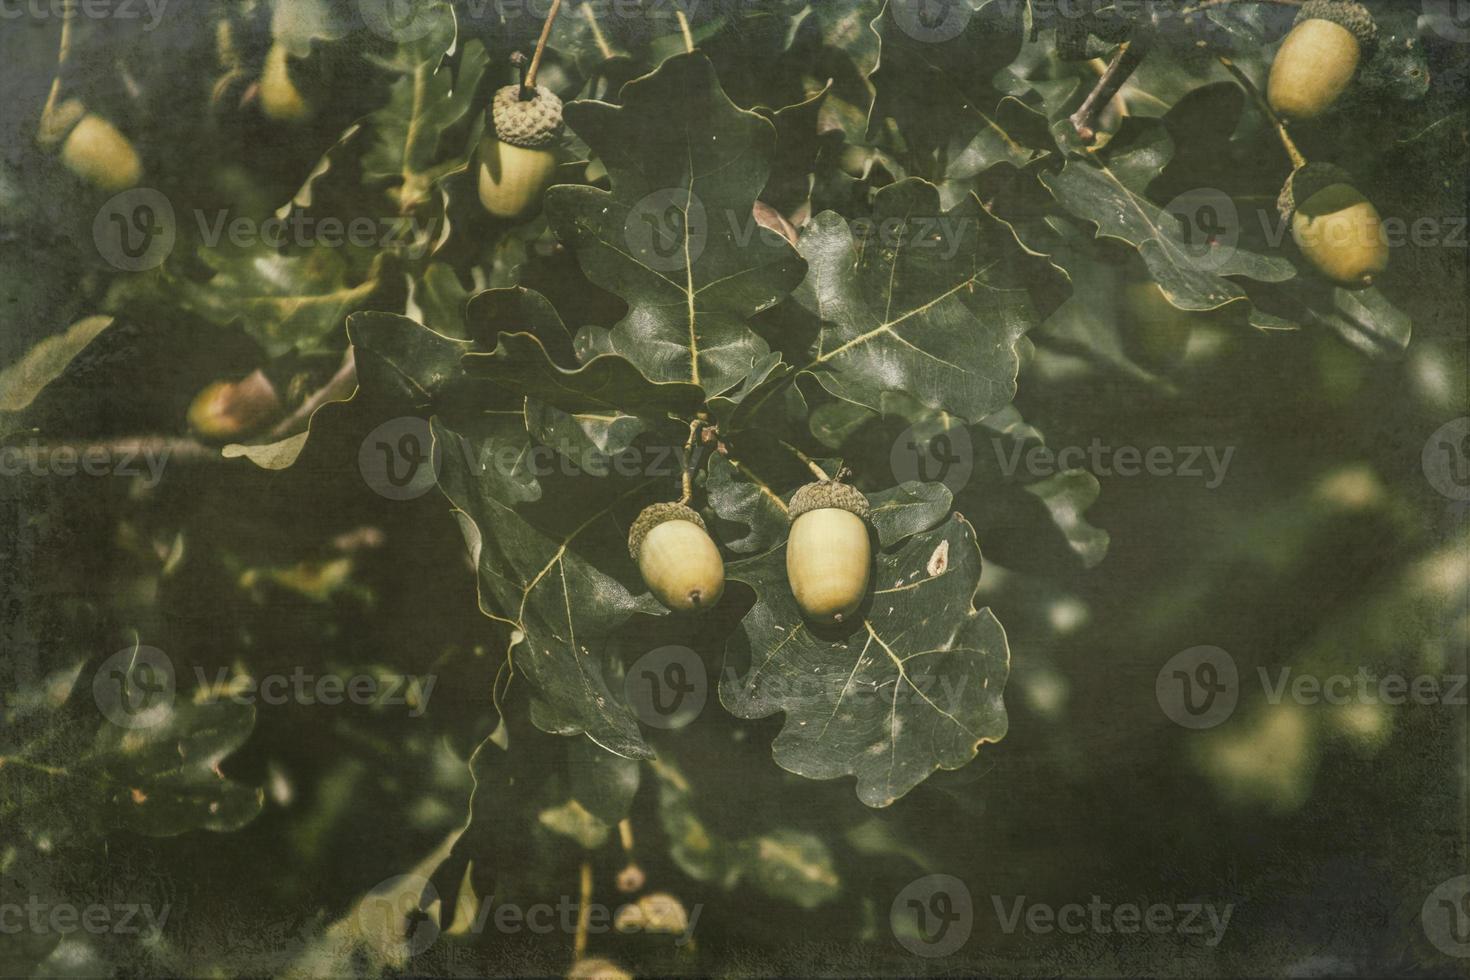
x=828, y=556
x=94, y=149
x=227, y=410
x=280, y=99
x=676, y=557
x=517, y=161
x=1319, y=56
x=1337, y=229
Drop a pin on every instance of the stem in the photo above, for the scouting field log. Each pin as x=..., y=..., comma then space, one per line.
x=1297, y=160
x=343, y=383
x=1129, y=56
x=684, y=29
x=1207, y=4
x=136, y=453
x=687, y=476
x=584, y=913
x=625, y=834
x=602, y=46
x=811, y=464
x=529, y=84
x=61, y=55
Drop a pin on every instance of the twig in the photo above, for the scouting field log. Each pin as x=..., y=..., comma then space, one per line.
x=1297, y=160
x=65, y=51
x=1127, y=59
x=584, y=913
x=132, y=455
x=687, y=476
x=343, y=383
x=528, y=86
x=811, y=464
x=684, y=29
x=1207, y=4
x=603, y=47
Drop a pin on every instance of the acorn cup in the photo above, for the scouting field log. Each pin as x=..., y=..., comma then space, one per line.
x=516, y=161
x=93, y=148
x=1317, y=60
x=828, y=556
x=677, y=558
x=1337, y=229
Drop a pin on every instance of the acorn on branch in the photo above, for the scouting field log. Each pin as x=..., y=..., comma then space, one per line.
x=828, y=556
x=676, y=557
x=1337, y=229
x=227, y=410
x=1319, y=56
x=280, y=97
x=517, y=159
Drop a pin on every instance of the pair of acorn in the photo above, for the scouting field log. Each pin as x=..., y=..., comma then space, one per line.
x=1337, y=229
x=828, y=556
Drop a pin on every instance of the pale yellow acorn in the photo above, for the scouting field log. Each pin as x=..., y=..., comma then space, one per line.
x=280, y=99
x=95, y=150
x=677, y=558
x=828, y=556
x=1318, y=58
x=1338, y=230
x=517, y=160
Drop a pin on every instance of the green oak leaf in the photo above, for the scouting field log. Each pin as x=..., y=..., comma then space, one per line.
x=675, y=237
x=928, y=302
x=555, y=569
x=908, y=509
x=431, y=124
x=78, y=772
x=915, y=687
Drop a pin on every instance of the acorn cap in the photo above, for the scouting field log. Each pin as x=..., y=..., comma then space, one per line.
x=531, y=123
x=1345, y=13
x=1307, y=181
x=655, y=514
x=827, y=494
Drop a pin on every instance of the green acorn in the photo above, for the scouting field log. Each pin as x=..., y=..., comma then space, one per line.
x=828, y=557
x=227, y=410
x=676, y=557
x=1319, y=56
x=280, y=98
x=516, y=161
x=1337, y=229
x=93, y=148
